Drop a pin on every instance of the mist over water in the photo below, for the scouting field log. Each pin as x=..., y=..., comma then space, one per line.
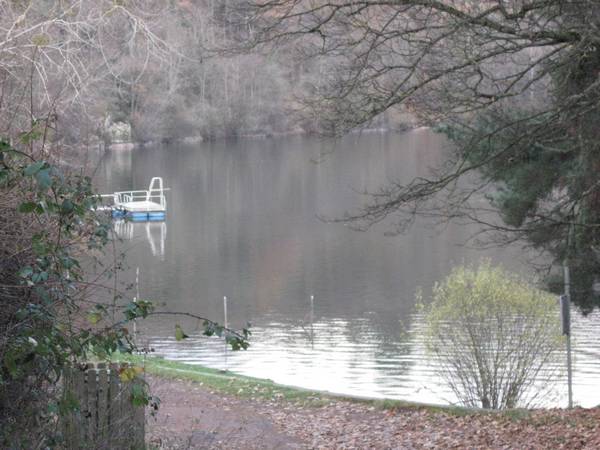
x=243, y=222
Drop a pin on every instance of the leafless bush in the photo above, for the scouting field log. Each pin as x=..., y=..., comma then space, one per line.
x=496, y=339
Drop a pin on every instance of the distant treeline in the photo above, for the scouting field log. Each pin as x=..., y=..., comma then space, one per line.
x=164, y=69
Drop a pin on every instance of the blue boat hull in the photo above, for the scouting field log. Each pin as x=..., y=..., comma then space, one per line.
x=138, y=216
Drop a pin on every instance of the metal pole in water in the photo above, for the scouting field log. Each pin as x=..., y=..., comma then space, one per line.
x=135, y=299
x=225, y=324
x=312, y=318
x=565, y=313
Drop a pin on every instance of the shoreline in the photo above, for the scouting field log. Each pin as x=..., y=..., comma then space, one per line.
x=243, y=386
x=213, y=409
x=127, y=146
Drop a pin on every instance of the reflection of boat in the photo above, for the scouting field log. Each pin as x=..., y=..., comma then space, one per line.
x=156, y=233
x=140, y=205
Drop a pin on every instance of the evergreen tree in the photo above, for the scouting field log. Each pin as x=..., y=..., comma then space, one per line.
x=513, y=83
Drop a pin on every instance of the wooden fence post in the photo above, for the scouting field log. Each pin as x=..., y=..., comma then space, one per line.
x=106, y=417
x=103, y=404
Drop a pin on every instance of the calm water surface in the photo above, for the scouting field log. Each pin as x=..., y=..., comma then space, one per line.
x=243, y=223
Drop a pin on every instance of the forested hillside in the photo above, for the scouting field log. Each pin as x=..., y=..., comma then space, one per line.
x=145, y=71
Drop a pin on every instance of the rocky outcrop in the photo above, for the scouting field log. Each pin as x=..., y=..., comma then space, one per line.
x=117, y=135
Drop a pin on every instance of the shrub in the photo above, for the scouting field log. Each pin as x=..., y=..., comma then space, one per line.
x=55, y=314
x=495, y=337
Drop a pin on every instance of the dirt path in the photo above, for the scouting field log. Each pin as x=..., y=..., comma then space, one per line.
x=193, y=417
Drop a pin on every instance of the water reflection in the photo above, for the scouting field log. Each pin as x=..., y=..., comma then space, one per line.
x=345, y=356
x=242, y=223
x=153, y=232
x=355, y=357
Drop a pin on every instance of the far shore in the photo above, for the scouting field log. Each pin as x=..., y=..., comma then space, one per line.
x=259, y=135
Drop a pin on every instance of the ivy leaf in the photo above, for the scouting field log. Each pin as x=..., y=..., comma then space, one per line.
x=43, y=294
x=127, y=374
x=43, y=179
x=141, y=308
x=27, y=207
x=139, y=397
x=39, y=245
x=179, y=334
x=4, y=147
x=33, y=135
x=67, y=206
x=94, y=317
x=10, y=363
x=69, y=262
x=25, y=272
x=34, y=168
x=144, y=307
x=39, y=277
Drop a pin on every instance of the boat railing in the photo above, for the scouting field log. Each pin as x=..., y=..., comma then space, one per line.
x=140, y=196
x=148, y=199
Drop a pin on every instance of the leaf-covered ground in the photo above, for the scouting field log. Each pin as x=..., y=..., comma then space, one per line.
x=196, y=415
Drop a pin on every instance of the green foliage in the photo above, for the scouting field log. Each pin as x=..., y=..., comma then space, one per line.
x=237, y=341
x=493, y=335
x=47, y=221
x=47, y=323
x=138, y=309
x=179, y=334
x=545, y=163
x=543, y=186
x=524, y=174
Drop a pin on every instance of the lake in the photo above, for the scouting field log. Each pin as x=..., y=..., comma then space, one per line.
x=245, y=221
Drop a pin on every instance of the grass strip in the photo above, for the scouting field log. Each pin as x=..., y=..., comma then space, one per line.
x=242, y=386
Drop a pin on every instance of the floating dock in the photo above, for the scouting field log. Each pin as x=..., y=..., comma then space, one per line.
x=140, y=206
